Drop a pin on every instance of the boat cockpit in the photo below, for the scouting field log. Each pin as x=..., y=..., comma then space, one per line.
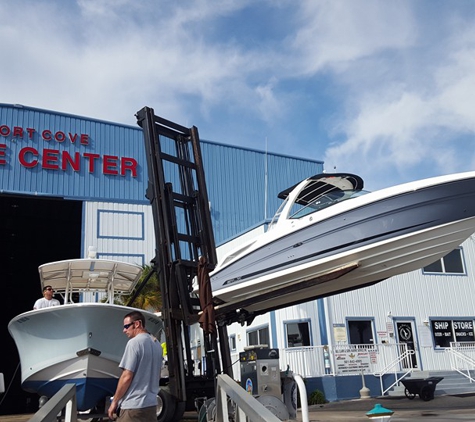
x=316, y=193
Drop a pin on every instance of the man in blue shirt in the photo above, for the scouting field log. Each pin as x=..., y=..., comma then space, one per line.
x=138, y=386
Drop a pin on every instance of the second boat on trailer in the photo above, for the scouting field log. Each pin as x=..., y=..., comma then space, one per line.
x=79, y=342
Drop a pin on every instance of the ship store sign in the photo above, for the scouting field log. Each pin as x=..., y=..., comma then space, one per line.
x=447, y=331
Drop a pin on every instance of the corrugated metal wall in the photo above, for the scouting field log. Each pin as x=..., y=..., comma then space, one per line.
x=240, y=193
x=123, y=232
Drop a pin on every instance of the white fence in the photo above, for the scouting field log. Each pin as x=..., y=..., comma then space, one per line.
x=341, y=359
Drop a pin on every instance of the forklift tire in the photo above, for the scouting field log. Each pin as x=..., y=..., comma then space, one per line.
x=168, y=408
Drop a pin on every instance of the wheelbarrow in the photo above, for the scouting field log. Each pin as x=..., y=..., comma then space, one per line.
x=425, y=387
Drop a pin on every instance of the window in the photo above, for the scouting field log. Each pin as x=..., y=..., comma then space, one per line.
x=452, y=263
x=298, y=334
x=232, y=342
x=258, y=337
x=447, y=331
x=361, y=331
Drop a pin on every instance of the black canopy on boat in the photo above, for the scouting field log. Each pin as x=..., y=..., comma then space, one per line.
x=323, y=183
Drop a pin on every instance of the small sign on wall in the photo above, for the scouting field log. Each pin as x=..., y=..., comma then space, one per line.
x=339, y=333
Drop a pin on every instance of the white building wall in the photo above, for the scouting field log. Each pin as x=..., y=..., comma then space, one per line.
x=295, y=314
x=120, y=231
x=415, y=297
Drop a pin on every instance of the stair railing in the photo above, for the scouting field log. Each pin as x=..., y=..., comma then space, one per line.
x=404, y=360
x=460, y=361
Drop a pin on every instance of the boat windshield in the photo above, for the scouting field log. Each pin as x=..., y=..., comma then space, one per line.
x=301, y=209
x=277, y=214
x=326, y=200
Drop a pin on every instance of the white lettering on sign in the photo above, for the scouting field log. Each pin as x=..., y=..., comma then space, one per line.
x=441, y=325
x=463, y=325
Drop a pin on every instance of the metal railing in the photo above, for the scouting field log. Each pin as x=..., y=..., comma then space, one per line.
x=462, y=358
x=403, y=361
x=245, y=406
x=63, y=399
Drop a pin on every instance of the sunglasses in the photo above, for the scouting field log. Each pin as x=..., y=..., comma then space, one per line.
x=49, y=289
x=126, y=326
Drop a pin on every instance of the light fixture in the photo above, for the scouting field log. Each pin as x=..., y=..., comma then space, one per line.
x=426, y=322
x=390, y=314
x=92, y=252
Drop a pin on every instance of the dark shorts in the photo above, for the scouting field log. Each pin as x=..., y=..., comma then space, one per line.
x=147, y=414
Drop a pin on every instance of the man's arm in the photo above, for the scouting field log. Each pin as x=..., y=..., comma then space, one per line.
x=124, y=383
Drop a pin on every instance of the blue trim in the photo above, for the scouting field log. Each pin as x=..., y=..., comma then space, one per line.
x=140, y=256
x=298, y=321
x=415, y=335
x=254, y=329
x=322, y=321
x=233, y=349
x=103, y=211
x=362, y=318
x=462, y=260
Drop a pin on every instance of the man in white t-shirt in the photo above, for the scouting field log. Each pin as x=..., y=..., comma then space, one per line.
x=47, y=300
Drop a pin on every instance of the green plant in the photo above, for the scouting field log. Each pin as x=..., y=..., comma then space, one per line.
x=317, y=397
x=150, y=297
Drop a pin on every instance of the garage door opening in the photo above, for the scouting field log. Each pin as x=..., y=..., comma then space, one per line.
x=33, y=231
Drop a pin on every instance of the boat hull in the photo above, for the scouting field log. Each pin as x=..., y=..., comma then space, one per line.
x=79, y=343
x=381, y=235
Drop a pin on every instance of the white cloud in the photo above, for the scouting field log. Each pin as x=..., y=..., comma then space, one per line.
x=335, y=32
x=419, y=123
x=386, y=88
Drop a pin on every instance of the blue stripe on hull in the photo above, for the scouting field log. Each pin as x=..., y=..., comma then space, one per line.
x=90, y=392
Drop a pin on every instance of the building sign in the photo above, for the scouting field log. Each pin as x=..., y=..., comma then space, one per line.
x=352, y=362
x=46, y=155
x=339, y=333
x=463, y=330
x=448, y=331
x=442, y=332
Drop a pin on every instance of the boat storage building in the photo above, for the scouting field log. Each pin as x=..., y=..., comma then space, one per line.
x=68, y=182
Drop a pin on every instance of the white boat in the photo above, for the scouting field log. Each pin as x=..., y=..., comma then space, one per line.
x=330, y=236
x=80, y=343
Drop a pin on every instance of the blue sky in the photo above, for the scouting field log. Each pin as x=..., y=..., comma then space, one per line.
x=383, y=89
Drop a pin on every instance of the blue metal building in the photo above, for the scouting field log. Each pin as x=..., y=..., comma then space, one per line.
x=69, y=182
x=54, y=154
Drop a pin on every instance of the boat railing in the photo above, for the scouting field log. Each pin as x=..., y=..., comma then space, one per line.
x=462, y=358
x=64, y=399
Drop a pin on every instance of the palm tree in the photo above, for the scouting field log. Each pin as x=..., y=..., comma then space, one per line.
x=150, y=297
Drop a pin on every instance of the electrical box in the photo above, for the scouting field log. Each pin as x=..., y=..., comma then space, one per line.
x=260, y=372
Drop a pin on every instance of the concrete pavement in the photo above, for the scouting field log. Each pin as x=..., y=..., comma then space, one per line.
x=441, y=408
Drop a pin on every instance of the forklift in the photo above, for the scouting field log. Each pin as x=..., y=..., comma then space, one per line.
x=185, y=254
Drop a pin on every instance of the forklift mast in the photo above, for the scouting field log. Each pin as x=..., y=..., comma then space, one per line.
x=185, y=253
